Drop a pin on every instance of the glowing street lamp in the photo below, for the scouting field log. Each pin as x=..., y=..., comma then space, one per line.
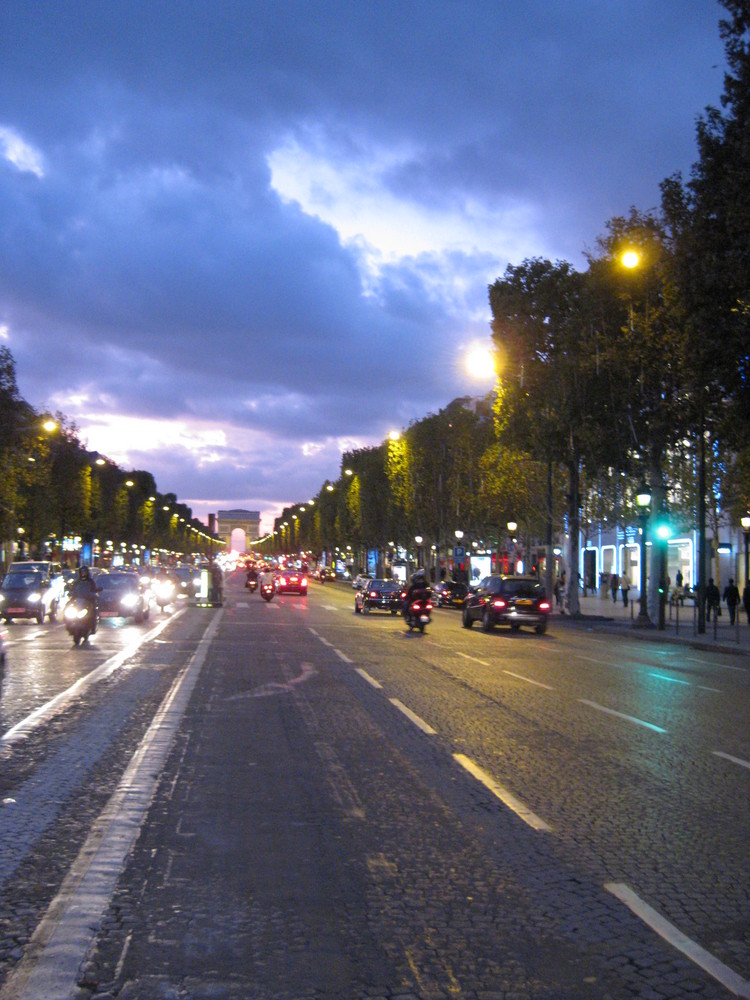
x=745, y=522
x=643, y=499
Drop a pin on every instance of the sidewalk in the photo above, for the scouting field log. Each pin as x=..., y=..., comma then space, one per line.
x=600, y=611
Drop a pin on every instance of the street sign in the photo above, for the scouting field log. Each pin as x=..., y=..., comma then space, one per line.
x=459, y=552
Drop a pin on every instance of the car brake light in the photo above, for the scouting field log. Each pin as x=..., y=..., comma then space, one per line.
x=304, y=581
x=544, y=605
x=282, y=581
x=373, y=594
x=499, y=603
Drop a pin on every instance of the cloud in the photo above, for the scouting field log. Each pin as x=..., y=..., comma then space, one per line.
x=236, y=236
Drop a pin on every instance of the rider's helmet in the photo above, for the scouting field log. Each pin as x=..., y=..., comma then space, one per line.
x=83, y=573
x=418, y=577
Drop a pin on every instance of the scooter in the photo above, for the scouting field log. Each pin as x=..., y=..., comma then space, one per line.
x=81, y=619
x=267, y=590
x=251, y=584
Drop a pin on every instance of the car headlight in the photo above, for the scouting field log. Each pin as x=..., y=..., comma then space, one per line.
x=34, y=598
x=129, y=600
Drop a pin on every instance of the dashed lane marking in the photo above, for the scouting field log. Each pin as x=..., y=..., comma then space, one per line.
x=528, y=680
x=704, y=959
x=419, y=723
x=370, y=680
x=342, y=656
x=474, y=659
x=734, y=760
x=621, y=715
x=507, y=798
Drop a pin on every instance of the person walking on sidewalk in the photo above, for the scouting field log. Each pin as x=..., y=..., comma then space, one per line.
x=732, y=597
x=625, y=587
x=746, y=600
x=713, y=599
x=614, y=584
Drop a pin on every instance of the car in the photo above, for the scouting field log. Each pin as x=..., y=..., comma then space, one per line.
x=189, y=580
x=507, y=600
x=121, y=595
x=451, y=594
x=28, y=594
x=378, y=595
x=3, y=648
x=53, y=570
x=361, y=580
x=291, y=582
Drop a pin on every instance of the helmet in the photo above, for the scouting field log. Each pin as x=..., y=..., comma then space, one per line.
x=418, y=577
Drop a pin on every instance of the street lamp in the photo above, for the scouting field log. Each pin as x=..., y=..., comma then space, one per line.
x=418, y=539
x=745, y=522
x=643, y=499
x=512, y=527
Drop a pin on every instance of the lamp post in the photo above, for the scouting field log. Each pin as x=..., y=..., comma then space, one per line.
x=512, y=526
x=745, y=522
x=643, y=499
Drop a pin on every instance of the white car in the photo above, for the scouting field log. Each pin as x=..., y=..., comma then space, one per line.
x=360, y=581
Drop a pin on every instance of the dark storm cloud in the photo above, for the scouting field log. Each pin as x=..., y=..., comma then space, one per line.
x=150, y=267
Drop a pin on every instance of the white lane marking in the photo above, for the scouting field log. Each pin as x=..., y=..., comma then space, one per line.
x=506, y=797
x=32, y=635
x=734, y=760
x=57, y=704
x=670, y=680
x=342, y=656
x=713, y=663
x=241, y=604
x=50, y=966
x=316, y=634
x=702, y=687
x=704, y=959
x=528, y=680
x=370, y=680
x=419, y=723
x=330, y=607
x=473, y=659
x=621, y=715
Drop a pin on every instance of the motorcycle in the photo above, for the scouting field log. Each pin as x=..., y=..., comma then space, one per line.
x=417, y=613
x=267, y=590
x=81, y=619
x=251, y=584
x=164, y=592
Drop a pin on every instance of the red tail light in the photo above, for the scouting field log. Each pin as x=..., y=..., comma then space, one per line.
x=416, y=606
x=374, y=594
x=304, y=581
x=428, y=606
x=282, y=581
x=499, y=603
x=544, y=605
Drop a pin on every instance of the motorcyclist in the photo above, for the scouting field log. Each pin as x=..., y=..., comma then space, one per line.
x=84, y=589
x=252, y=576
x=419, y=590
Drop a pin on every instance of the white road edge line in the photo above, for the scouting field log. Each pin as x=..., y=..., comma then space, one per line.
x=419, y=723
x=370, y=680
x=60, y=944
x=528, y=680
x=506, y=797
x=621, y=715
x=57, y=704
x=721, y=973
x=734, y=760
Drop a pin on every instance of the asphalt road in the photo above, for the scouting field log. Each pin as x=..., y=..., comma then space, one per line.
x=319, y=804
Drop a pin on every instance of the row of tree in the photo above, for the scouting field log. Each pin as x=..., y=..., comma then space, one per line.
x=52, y=488
x=609, y=378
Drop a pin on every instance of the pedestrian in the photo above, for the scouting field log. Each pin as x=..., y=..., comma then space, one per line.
x=678, y=579
x=625, y=588
x=713, y=599
x=732, y=598
x=614, y=584
x=746, y=600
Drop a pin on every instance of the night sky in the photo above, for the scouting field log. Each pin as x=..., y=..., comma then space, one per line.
x=237, y=238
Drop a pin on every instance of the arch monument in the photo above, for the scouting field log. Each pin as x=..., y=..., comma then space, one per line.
x=247, y=520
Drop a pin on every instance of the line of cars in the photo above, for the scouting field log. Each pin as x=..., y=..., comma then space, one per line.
x=497, y=600
x=40, y=590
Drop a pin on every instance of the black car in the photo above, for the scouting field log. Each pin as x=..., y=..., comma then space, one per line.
x=291, y=581
x=507, y=600
x=378, y=595
x=121, y=595
x=27, y=594
x=451, y=594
